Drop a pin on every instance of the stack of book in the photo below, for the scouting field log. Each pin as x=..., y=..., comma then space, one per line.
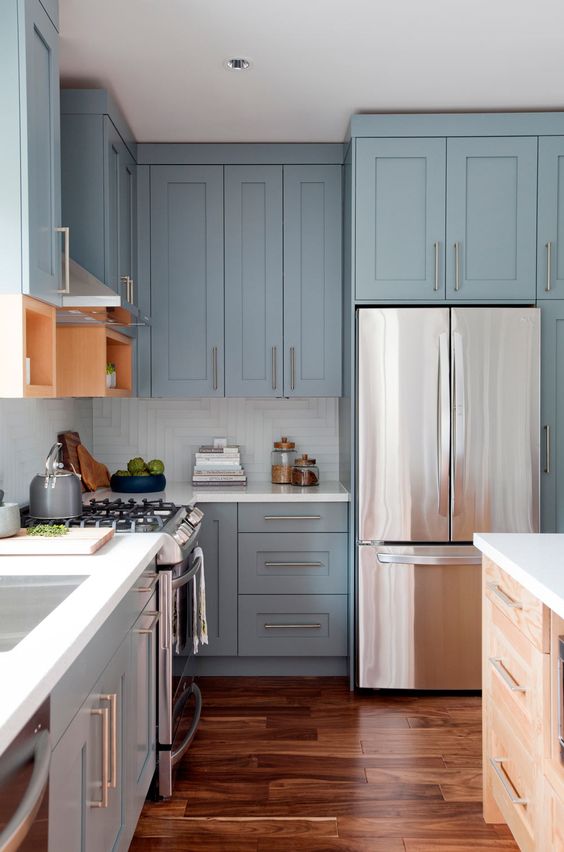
x=218, y=466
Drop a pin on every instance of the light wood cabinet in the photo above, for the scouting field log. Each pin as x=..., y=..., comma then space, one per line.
x=27, y=331
x=82, y=355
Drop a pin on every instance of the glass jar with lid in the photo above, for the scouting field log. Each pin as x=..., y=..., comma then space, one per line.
x=282, y=460
x=305, y=472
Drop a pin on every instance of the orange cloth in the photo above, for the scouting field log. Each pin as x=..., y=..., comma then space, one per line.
x=94, y=473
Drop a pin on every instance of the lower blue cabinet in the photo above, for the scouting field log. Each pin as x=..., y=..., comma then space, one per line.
x=218, y=540
x=552, y=416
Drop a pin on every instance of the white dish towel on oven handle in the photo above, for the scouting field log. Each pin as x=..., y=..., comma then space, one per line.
x=199, y=619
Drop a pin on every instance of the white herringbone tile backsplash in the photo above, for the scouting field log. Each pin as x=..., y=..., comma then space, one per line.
x=173, y=429
x=28, y=428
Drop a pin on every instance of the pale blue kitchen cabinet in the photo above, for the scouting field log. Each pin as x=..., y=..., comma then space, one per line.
x=187, y=292
x=30, y=201
x=491, y=218
x=400, y=219
x=550, y=218
x=253, y=281
x=218, y=540
x=312, y=280
x=552, y=415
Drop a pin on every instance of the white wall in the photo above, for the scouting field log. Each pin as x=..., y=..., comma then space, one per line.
x=173, y=429
x=28, y=428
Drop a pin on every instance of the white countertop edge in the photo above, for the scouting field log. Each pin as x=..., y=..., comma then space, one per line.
x=31, y=670
x=186, y=494
x=540, y=568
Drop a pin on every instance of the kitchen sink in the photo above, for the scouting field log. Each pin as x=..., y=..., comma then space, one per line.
x=26, y=601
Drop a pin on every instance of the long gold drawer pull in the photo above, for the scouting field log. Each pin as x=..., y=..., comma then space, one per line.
x=292, y=626
x=292, y=517
x=147, y=630
x=504, y=598
x=505, y=676
x=151, y=587
x=112, y=699
x=105, y=717
x=497, y=766
x=294, y=564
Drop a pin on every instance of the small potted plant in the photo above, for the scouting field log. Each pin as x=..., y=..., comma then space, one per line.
x=111, y=379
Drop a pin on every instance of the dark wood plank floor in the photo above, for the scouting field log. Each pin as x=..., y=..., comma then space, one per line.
x=283, y=764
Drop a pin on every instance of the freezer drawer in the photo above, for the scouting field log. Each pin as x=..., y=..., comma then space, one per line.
x=419, y=617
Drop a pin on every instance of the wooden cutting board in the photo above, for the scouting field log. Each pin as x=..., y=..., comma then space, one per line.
x=78, y=541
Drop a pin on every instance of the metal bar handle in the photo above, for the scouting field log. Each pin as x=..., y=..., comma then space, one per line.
x=407, y=559
x=292, y=368
x=294, y=564
x=148, y=630
x=437, y=269
x=292, y=626
x=547, y=449
x=458, y=421
x=66, y=234
x=274, y=368
x=178, y=582
x=457, y=266
x=292, y=517
x=131, y=292
x=508, y=679
x=112, y=699
x=214, y=367
x=104, y=714
x=194, y=692
x=151, y=588
x=497, y=765
x=443, y=449
x=548, y=287
x=504, y=598
x=17, y=829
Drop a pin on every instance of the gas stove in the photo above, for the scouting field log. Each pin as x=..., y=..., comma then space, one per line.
x=180, y=525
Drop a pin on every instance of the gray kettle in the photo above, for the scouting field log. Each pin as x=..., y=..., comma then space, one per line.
x=56, y=494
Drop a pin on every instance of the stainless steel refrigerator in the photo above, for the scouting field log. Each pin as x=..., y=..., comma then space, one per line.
x=448, y=445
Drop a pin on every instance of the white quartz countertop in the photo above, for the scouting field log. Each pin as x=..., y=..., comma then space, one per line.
x=184, y=494
x=535, y=561
x=29, y=671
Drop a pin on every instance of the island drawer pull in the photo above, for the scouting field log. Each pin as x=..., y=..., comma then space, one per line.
x=506, y=677
x=292, y=626
x=292, y=517
x=497, y=765
x=152, y=586
x=148, y=630
x=294, y=564
x=104, y=714
x=504, y=598
x=112, y=699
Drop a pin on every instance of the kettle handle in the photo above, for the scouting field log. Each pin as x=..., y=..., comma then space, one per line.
x=51, y=460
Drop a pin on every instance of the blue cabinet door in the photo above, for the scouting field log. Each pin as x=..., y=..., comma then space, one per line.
x=550, y=221
x=312, y=280
x=113, y=155
x=41, y=180
x=127, y=226
x=400, y=219
x=491, y=218
x=253, y=281
x=218, y=539
x=187, y=280
x=552, y=416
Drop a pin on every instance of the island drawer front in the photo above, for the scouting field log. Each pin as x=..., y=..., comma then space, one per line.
x=292, y=625
x=293, y=517
x=516, y=675
x=513, y=778
x=553, y=819
x=293, y=563
x=522, y=608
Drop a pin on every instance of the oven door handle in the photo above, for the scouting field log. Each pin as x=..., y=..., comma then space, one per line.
x=178, y=582
x=193, y=690
x=18, y=827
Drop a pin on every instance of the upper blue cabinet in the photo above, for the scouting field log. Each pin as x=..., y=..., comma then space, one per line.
x=491, y=218
x=400, y=224
x=550, y=268
x=31, y=241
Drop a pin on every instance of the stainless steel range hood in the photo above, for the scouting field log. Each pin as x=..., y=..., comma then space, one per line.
x=86, y=291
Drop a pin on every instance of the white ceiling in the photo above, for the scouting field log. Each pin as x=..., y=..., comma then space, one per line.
x=315, y=62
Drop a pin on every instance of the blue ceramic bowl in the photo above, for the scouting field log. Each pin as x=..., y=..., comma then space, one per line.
x=138, y=484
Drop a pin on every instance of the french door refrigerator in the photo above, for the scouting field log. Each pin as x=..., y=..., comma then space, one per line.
x=448, y=444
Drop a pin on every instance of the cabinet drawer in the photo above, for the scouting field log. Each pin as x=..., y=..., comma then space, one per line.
x=293, y=563
x=292, y=625
x=522, y=608
x=514, y=780
x=293, y=517
x=553, y=820
x=516, y=675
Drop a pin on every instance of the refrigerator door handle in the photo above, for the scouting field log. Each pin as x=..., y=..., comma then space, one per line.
x=411, y=559
x=458, y=422
x=443, y=430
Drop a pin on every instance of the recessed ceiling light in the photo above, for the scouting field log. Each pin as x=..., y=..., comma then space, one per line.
x=237, y=64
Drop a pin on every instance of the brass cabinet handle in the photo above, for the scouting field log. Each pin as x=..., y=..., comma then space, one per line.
x=294, y=564
x=131, y=292
x=509, y=681
x=507, y=784
x=103, y=712
x=112, y=699
x=292, y=517
x=214, y=367
x=457, y=266
x=503, y=597
x=66, y=234
x=548, y=247
x=547, y=449
x=292, y=626
x=274, y=368
x=437, y=272
x=292, y=368
x=148, y=630
x=152, y=586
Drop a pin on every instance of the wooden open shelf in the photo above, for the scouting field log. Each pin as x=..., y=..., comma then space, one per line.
x=27, y=330
x=82, y=355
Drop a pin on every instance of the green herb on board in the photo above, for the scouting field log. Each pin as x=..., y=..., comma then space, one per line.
x=48, y=530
